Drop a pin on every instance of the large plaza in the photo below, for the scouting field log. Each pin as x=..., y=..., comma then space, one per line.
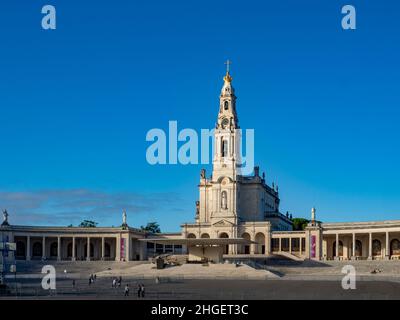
x=274, y=278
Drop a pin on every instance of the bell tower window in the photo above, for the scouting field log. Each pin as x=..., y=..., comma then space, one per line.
x=224, y=148
x=226, y=105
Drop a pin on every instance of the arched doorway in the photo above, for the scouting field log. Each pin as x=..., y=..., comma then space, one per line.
x=37, y=250
x=395, y=247
x=376, y=248
x=225, y=235
x=260, y=246
x=191, y=236
x=340, y=248
x=107, y=250
x=246, y=247
x=21, y=250
x=54, y=250
x=205, y=236
x=358, y=252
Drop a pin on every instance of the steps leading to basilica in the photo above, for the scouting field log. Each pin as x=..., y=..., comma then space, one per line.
x=289, y=256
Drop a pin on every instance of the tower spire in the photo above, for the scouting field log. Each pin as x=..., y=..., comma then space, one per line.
x=228, y=77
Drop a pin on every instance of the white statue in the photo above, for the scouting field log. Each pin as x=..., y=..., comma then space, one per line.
x=224, y=204
x=313, y=214
x=124, y=218
x=5, y=217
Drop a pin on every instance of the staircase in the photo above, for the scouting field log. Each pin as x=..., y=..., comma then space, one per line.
x=289, y=256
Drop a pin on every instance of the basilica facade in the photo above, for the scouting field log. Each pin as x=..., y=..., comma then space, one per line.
x=230, y=204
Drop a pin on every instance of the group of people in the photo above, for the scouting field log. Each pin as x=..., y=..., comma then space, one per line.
x=140, y=291
x=92, y=279
x=117, y=282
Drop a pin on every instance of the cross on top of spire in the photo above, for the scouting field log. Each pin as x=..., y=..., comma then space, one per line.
x=228, y=63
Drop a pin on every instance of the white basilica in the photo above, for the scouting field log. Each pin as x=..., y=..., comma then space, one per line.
x=231, y=204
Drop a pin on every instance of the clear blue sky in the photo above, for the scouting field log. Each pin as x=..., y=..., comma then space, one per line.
x=76, y=104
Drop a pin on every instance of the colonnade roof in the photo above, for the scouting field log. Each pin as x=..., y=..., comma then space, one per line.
x=72, y=230
x=361, y=225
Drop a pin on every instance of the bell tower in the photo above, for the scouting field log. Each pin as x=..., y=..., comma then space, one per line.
x=226, y=153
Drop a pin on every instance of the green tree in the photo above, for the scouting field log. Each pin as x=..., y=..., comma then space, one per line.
x=299, y=224
x=88, y=224
x=152, y=227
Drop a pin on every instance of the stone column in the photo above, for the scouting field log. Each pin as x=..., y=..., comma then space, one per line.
x=337, y=247
x=300, y=244
x=290, y=245
x=88, y=249
x=252, y=245
x=28, y=248
x=102, y=248
x=370, y=247
x=73, y=249
x=387, y=248
x=280, y=244
x=117, y=249
x=44, y=248
x=268, y=242
x=353, y=248
x=143, y=250
x=58, y=248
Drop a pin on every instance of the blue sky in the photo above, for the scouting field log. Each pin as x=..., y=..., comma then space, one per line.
x=76, y=104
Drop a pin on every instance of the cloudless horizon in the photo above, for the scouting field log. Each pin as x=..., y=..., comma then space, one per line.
x=76, y=104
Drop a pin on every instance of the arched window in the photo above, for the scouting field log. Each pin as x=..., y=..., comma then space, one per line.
x=224, y=200
x=226, y=105
x=395, y=247
x=224, y=148
x=376, y=248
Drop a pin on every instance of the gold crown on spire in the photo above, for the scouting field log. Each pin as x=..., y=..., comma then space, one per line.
x=228, y=77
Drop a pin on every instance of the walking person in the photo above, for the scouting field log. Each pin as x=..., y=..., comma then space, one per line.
x=126, y=294
x=139, y=291
x=142, y=290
